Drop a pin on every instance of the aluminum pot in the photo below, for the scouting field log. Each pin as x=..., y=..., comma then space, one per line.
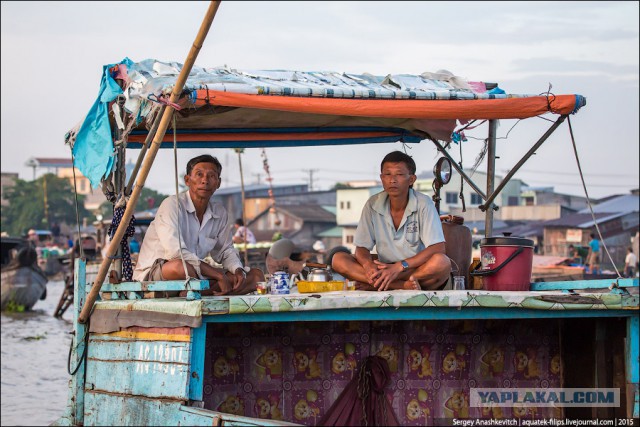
x=319, y=275
x=506, y=263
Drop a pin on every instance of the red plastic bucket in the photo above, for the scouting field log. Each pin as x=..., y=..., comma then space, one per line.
x=506, y=263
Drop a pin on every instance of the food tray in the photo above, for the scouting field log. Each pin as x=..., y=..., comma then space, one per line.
x=305, y=287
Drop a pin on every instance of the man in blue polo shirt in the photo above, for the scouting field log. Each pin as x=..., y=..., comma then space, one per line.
x=404, y=226
x=594, y=255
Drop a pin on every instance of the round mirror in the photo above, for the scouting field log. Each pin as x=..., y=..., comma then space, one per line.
x=442, y=170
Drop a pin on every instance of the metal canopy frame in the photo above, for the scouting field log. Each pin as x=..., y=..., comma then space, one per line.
x=488, y=206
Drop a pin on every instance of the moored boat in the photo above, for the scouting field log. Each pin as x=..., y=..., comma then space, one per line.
x=282, y=359
x=23, y=282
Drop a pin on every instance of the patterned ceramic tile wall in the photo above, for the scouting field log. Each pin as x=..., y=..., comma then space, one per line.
x=296, y=371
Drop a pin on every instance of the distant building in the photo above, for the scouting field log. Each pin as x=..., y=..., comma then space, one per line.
x=451, y=203
x=302, y=223
x=538, y=196
x=617, y=218
x=298, y=214
x=349, y=205
x=256, y=198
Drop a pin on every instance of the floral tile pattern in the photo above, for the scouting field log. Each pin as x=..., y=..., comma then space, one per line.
x=296, y=371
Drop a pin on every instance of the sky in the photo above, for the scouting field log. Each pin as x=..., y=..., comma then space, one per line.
x=53, y=54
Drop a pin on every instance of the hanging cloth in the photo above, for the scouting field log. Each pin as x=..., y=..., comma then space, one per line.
x=93, y=148
x=127, y=267
x=363, y=402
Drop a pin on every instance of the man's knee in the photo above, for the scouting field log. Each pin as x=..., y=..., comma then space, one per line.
x=255, y=274
x=340, y=260
x=170, y=270
x=440, y=264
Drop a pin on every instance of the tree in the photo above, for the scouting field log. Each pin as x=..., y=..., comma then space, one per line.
x=26, y=208
x=341, y=185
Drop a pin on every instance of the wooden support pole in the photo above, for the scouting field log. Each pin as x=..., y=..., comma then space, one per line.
x=148, y=161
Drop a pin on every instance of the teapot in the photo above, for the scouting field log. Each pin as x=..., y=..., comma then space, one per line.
x=319, y=275
x=280, y=283
x=318, y=272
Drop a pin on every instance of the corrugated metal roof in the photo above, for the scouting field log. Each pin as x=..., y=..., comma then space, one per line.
x=52, y=162
x=331, y=232
x=308, y=213
x=620, y=204
x=577, y=220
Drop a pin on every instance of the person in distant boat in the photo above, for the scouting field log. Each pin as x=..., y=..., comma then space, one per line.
x=191, y=226
x=32, y=236
x=55, y=230
x=594, y=255
x=242, y=233
x=630, y=262
x=134, y=246
x=405, y=228
x=574, y=254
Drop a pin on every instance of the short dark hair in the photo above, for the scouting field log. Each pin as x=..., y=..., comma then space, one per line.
x=399, y=157
x=593, y=236
x=240, y=222
x=204, y=158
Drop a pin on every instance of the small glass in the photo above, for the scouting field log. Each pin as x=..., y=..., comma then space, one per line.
x=349, y=285
x=262, y=288
x=458, y=283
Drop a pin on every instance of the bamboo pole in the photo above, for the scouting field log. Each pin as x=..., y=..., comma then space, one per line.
x=148, y=161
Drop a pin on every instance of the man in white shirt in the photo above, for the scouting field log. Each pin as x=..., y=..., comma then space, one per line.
x=630, y=262
x=405, y=228
x=190, y=227
x=242, y=233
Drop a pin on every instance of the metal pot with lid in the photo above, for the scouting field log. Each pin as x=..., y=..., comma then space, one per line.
x=506, y=263
x=318, y=272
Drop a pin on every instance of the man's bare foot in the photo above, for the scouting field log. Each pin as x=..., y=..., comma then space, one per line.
x=363, y=286
x=415, y=283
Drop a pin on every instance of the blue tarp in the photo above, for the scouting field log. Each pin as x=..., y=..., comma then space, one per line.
x=93, y=149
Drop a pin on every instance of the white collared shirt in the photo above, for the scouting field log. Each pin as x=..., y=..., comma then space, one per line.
x=212, y=237
x=420, y=227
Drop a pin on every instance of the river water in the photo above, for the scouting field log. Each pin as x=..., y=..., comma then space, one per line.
x=34, y=377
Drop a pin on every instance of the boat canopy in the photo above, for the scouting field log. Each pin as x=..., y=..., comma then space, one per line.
x=228, y=108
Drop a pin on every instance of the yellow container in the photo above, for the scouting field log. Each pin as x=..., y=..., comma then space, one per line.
x=305, y=287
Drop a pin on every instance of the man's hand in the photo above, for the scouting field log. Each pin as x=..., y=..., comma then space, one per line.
x=239, y=278
x=371, y=271
x=387, y=273
x=226, y=285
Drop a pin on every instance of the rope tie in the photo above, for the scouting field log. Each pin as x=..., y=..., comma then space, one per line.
x=127, y=267
x=162, y=99
x=206, y=98
x=550, y=97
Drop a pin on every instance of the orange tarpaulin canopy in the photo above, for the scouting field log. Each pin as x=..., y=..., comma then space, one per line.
x=510, y=108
